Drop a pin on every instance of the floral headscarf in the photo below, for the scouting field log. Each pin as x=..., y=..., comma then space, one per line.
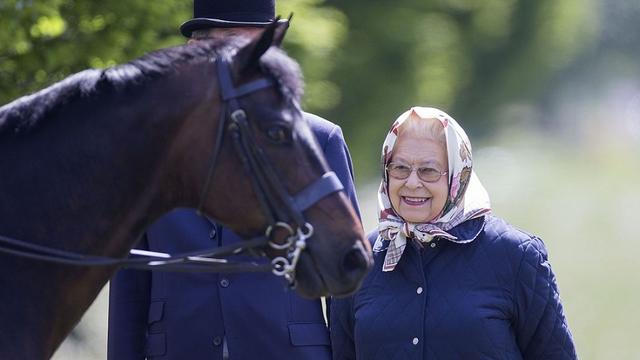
x=467, y=199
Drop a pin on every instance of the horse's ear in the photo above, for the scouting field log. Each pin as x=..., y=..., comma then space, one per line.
x=281, y=31
x=249, y=55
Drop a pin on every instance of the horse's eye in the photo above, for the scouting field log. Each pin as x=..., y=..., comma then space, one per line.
x=277, y=134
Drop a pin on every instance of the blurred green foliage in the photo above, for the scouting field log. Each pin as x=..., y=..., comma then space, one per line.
x=316, y=33
x=43, y=41
x=465, y=56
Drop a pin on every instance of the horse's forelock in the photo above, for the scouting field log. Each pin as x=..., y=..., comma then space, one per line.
x=275, y=62
x=286, y=71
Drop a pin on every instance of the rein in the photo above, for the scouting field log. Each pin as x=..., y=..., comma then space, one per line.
x=279, y=207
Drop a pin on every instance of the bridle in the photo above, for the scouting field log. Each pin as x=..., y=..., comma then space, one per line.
x=279, y=207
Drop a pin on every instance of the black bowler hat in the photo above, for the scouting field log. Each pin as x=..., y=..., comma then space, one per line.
x=229, y=13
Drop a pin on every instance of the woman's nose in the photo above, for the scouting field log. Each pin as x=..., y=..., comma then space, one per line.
x=413, y=180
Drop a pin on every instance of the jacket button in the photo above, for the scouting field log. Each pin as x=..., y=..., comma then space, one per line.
x=415, y=341
x=213, y=233
x=419, y=290
x=433, y=244
x=217, y=341
x=224, y=282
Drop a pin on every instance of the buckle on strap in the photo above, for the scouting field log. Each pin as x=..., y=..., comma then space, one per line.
x=324, y=186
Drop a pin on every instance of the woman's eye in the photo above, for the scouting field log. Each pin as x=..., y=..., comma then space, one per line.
x=429, y=171
x=400, y=168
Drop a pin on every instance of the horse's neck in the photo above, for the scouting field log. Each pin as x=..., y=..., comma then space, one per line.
x=79, y=180
x=89, y=185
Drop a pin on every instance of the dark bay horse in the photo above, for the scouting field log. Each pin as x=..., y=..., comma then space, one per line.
x=88, y=163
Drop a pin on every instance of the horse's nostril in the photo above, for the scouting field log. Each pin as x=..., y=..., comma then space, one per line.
x=355, y=260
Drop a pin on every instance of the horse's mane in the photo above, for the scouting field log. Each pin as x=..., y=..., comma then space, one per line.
x=26, y=113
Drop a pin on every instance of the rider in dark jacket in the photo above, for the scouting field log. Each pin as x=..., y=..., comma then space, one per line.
x=162, y=315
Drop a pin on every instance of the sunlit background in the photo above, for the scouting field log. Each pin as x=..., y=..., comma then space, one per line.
x=548, y=90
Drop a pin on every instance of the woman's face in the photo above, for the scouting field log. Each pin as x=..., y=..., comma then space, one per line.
x=415, y=200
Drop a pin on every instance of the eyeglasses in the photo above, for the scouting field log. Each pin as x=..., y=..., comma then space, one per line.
x=402, y=171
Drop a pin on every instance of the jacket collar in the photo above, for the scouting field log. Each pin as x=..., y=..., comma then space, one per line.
x=413, y=262
x=468, y=230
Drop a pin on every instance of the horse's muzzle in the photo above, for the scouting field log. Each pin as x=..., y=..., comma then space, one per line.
x=355, y=264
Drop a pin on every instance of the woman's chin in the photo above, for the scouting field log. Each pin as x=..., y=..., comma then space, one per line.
x=416, y=216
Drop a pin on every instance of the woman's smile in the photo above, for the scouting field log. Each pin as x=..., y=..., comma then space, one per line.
x=415, y=201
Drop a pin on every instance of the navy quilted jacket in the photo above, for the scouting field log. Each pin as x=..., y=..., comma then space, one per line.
x=493, y=298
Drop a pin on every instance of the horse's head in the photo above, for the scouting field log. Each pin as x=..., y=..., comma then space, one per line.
x=269, y=151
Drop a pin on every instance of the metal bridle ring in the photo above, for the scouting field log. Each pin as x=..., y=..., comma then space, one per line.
x=237, y=114
x=290, y=238
x=309, y=232
x=281, y=266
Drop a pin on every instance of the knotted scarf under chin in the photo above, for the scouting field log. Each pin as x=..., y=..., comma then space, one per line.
x=397, y=232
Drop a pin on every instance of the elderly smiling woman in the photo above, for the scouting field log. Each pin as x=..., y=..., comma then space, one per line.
x=451, y=281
